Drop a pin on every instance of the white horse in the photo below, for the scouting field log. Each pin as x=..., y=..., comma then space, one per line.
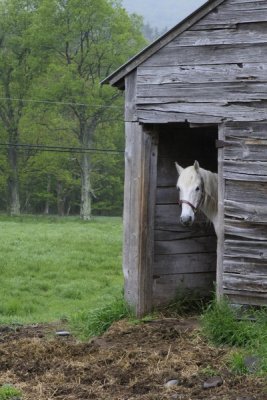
x=198, y=189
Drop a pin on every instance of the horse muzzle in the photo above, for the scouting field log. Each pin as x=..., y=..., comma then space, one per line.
x=186, y=220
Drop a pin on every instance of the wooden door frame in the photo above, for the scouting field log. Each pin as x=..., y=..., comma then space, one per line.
x=221, y=193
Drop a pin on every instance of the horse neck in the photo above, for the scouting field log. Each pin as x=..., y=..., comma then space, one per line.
x=210, y=203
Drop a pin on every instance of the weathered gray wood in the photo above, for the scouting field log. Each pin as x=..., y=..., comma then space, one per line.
x=255, y=130
x=140, y=162
x=253, y=249
x=220, y=234
x=246, y=297
x=186, y=246
x=245, y=229
x=246, y=212
x=246, y=149
x=198, y=74
x=184, y=264
x=252, y=283
x=130, y=97
x=117, y=76
x=248, y=192
x=257, y=14
x=166, y=288
x=198, y=55
x=245, y=266
x=239, y=34
x=208, y=93
x=167, y=195
x=200, y=112
x=245, y=170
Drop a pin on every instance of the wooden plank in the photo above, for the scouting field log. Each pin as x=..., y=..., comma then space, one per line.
x=256, y=130
x=200, y=112
x=244, y=229
x=199, y=74
x=251, y=283
x=220, y=233
x=245, y=266
x=253, y=249
x=184, y=264
x=249, y=148
x=248, y=192
x=246, y=297
x=245, y=170
x=193, y=245
x=201, y=55
x=246, y=212
x=167, y=195
x=222, y=14
x=130, y=97
x=167, y=287
x=138, y=221
x=236, y=34
x=205, y=92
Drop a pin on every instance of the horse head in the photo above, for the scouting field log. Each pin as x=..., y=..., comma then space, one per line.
x=190, y=185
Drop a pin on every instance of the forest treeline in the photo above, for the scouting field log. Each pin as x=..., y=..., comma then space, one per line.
x=61, y=131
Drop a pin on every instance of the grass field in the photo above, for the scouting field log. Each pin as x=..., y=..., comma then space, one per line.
x=52, y=268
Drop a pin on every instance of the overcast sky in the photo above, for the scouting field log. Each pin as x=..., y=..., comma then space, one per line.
x=162, y=13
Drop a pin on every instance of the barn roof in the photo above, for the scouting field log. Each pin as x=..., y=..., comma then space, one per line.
x=116, y=78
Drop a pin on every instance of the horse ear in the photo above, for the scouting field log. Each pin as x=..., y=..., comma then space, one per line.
x=196, y=165
x=179, y=168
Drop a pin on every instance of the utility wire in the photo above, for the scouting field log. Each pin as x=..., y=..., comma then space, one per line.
x=62, y=149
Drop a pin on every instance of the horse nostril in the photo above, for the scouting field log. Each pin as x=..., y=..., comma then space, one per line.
x=186, y=220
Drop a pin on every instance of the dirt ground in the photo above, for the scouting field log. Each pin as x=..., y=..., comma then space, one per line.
x=127, y=362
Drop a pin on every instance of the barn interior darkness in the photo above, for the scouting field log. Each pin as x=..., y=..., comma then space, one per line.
x=185, y=144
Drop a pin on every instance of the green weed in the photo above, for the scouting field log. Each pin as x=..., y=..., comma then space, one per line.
x=92, y=323
x=222, y=325
x=8, y=392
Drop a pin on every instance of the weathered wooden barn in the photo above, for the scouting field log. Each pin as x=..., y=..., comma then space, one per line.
x=198, y=92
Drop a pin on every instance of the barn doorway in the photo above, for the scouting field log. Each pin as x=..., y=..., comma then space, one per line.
x=184, y=257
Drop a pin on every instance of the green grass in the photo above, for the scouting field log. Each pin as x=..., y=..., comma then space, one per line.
x=247, y=336
x=95, y=322
x=9, y=392
x=53, y=268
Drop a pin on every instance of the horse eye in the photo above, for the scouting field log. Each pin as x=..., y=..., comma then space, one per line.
x=197, y=188
x=178, y=188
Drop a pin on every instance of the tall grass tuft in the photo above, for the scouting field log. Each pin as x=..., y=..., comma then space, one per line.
x=222, y=326
x=91, y=323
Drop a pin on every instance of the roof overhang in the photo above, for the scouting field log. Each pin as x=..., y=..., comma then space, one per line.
x=116, y=78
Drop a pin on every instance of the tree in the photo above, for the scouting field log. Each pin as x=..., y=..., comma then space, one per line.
x=15, y=78
x=81, y=42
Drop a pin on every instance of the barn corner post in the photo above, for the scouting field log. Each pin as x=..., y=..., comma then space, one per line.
x=139, y=205
x=221, y=194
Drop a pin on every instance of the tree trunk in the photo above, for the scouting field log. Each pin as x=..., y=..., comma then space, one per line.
x=60, y=199
x=13, y=182
x=48, y=190
x=86, y=201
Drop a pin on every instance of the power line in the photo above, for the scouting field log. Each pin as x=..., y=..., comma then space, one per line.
x=59, y=103
x=61, y=149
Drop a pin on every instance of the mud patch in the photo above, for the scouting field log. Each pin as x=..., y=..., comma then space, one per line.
x=127, y=362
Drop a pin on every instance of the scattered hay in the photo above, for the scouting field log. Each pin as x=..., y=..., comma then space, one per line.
x=127, y=362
